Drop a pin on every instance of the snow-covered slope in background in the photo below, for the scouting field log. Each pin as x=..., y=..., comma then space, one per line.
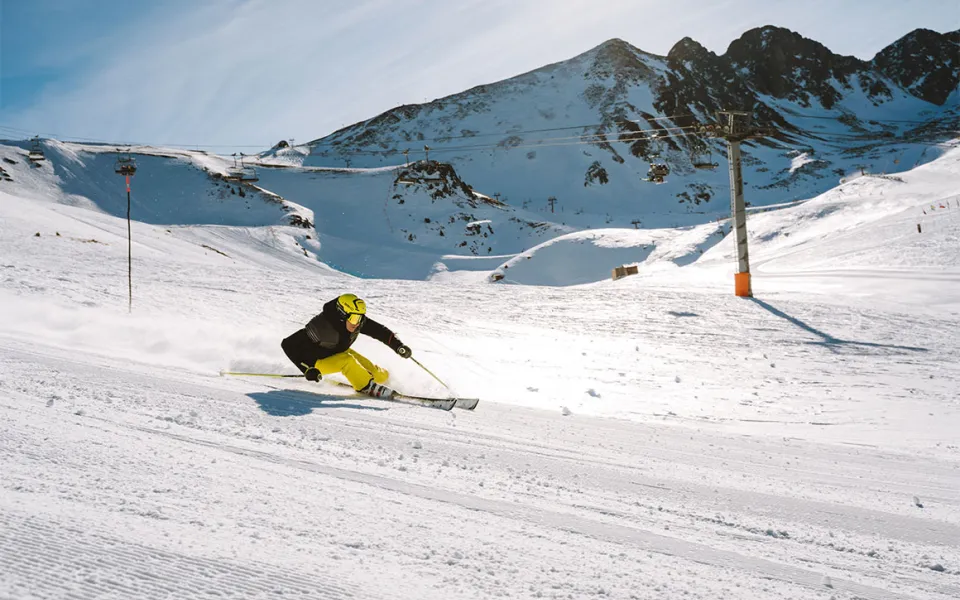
x=386, y=222
x=423, y=221
x=868, y=223
x=172, y=186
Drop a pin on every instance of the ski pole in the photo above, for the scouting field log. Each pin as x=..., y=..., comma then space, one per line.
x=430, y=372
x=222, y=373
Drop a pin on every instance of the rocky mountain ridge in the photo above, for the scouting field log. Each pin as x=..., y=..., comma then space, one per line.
x=585, y=130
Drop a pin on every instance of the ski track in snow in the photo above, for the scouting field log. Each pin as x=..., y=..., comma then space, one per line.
x=47, y=556
x=654, y=507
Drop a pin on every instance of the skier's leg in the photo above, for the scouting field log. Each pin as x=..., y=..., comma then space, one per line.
x=346, y=363
x=379, y=374
x=364, y=376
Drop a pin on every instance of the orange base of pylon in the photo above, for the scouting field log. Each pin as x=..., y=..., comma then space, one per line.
x=742, y=285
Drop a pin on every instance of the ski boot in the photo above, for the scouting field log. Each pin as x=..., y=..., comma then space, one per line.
x=377, y=391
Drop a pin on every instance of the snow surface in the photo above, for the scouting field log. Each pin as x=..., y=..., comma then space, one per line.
x=798, y=161
x=652, y=437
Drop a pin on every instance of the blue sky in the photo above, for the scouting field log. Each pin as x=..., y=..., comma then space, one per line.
x=247, y=73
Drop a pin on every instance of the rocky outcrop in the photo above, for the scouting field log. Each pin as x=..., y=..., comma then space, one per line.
x=923, y=62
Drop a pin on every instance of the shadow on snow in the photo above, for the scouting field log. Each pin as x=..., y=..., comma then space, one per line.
x=832, y=343
x=293, y=403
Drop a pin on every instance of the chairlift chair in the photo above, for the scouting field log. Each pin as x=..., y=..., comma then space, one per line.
x=248, y=175
x=704, y=160
x=241, y=173
x=125, y=165
x=36, y=151
x=657, y=172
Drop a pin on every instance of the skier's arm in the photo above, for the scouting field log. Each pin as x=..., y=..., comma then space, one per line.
x=382, y=333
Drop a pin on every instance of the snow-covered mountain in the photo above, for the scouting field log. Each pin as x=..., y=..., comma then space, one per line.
x=582, y=131
x=561, y=150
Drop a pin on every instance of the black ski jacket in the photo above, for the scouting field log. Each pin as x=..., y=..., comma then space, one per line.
x=328, y=331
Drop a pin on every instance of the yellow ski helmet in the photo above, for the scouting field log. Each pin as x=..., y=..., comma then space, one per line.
x=352, y=308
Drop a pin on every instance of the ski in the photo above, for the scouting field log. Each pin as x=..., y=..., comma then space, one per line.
x=441, y=403
x=462, y=403
x=467, y=403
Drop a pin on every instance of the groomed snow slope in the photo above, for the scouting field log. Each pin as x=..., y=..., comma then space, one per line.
x=654, y=437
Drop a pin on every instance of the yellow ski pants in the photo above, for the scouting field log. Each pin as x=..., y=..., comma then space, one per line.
x=355, y=367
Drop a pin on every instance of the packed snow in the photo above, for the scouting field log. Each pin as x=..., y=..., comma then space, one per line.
x=651, y=437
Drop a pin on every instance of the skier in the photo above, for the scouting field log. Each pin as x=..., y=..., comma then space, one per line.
x=323, y=346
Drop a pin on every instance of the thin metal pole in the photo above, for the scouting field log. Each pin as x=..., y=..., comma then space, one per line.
x=129, y=253
x=430, y=372
x=259, y=374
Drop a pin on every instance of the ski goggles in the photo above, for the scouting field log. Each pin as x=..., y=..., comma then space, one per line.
x=354, y=318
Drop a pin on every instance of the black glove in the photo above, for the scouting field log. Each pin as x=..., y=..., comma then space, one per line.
x=404, y=351
x=312, y=374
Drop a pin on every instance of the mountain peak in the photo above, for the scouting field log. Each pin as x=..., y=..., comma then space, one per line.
x=925, y=62
x=920, y=35
x=614, y=43
x=616, y=50
x=688, y=49
x=784, y=64
x=771, y=38
x=617, y=57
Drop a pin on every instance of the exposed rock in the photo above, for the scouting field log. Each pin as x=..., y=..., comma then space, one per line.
x=923, y=62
